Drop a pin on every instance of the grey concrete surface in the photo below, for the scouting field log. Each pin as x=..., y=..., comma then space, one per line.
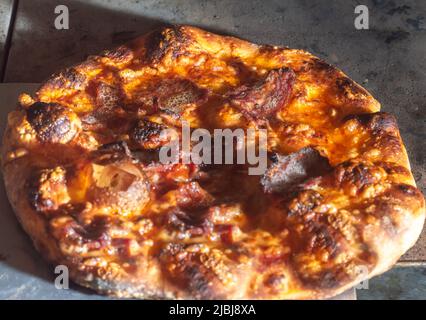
x=5, y=18
x=406, y=282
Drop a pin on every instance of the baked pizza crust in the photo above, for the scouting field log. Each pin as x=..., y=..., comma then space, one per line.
x=351, y=222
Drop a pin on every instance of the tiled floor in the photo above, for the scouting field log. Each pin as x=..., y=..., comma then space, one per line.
x=389, y=59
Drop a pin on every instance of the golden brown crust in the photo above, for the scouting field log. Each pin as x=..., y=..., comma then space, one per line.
x=128, y=226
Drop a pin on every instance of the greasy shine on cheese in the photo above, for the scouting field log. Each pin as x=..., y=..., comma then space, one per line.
x=338, y=202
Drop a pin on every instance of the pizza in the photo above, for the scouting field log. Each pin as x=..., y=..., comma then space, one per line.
x=336, y=204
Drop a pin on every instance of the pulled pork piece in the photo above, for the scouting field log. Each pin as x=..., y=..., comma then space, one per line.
x=265, y=97
x=289, y=171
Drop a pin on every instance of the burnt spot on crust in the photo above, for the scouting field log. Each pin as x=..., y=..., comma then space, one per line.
x=52, y=122
x=355, y=176
x=391, y=207
x=401, y=193
x=265, y=97
x=203, y=272
x=288, y=171
x=378, y=123
x=47, y=189
x=166, y=41
x=191, y=217
x=120, y=55
x=117, y=146
x=187, y=225
x=394, y=169
x=148, y=134
x=408, y=190
x=325, y=278
x=319, y=65
x=303, y=205
x=68, y=79
x=349, y=88
x=384, y=131
x=324, y=255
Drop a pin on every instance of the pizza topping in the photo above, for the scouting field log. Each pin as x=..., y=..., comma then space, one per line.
x=172, y=96
x=192, y=196
x=126, y=247
x=378, y=123
x=266, y=97
x=48, y=189
x=186, y=224
x=356, y=177
x=148, y=134
x=107, y=98
x=201, y=270
x=228, y=233
x=107, y=112
x=288, y=171
x=189, y=218
x=53, y=122
x=120, y=56
x=111, y=153
x=80, y=239
x=70, y=79
x=169, y=42
x=121, y=186
x=302, y=206
x=224, y=214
